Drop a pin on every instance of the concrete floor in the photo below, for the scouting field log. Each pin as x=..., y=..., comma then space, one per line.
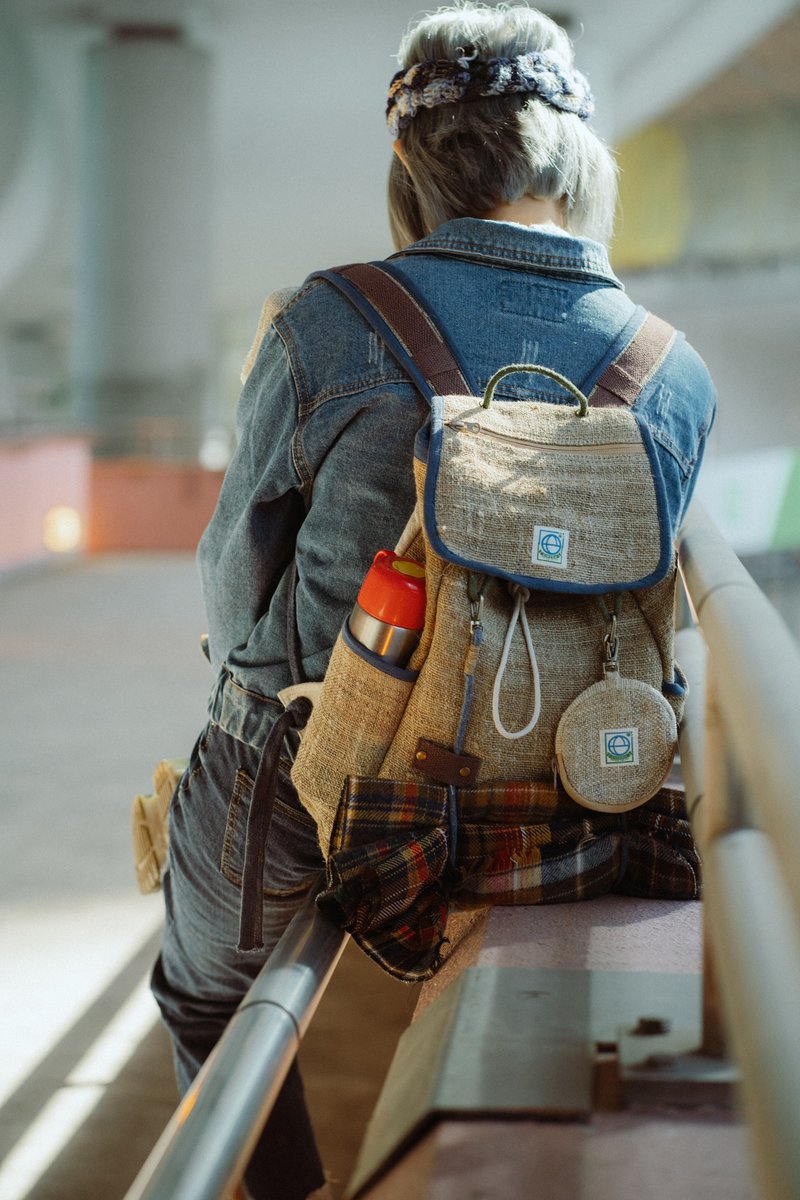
x=343, y=1072
x=102, y=677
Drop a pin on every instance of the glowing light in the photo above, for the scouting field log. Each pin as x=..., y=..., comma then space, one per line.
x=62, y=529
x=215, y=452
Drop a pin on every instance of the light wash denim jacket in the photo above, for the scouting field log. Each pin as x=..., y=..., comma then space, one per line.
x=327, y=420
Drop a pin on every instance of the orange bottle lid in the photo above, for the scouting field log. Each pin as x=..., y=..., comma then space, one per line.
x=393, y=591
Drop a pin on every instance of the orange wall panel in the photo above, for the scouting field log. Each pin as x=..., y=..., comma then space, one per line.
x=146, y=504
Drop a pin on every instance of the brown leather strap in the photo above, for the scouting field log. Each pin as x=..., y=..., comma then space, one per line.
x=259, y=817
x=445, y=766
x=411, y=324
x=623, y=380
x=620, y=384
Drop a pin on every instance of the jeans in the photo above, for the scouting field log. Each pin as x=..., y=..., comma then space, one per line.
x=200, y=976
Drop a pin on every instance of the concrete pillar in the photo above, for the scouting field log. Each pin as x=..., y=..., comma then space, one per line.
x=142, y=333
x=28, y=154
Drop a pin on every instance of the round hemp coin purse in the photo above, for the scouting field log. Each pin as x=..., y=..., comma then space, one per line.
x=615, y=744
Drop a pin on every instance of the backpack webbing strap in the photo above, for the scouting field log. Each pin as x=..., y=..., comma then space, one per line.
x=421, y=349
x=417, y=334
x=624, y=378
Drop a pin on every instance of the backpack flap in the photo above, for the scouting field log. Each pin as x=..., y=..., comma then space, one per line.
x=535, y=493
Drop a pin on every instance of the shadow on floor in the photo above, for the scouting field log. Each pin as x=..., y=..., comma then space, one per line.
x=344, y=1059
x=346, y=1054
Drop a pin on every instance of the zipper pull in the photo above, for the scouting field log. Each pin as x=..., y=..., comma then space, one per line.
x=464, y=426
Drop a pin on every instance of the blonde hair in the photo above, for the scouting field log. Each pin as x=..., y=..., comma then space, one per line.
x=466, y=158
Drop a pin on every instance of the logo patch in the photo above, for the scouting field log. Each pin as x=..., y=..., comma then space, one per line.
x=619, y=747
x=550, y=546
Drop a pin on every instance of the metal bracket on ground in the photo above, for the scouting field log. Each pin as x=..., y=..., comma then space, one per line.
x=507, y=1041
x=652, y=1063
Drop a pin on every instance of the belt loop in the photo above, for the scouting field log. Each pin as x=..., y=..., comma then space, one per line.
x=215, y=699
x=262, y=802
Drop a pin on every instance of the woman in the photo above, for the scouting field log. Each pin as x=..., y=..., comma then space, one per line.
x=501, y=201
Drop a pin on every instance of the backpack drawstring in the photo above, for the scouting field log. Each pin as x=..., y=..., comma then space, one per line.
x=518, y=616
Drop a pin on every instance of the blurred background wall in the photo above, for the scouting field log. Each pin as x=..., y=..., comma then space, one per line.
x=164, y=164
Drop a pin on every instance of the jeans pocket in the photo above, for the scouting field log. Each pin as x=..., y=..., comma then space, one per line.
x=292, y=857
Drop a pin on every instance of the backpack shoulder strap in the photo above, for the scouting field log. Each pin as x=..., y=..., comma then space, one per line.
x=622, y=381
x=403, y=323
x=412, y=336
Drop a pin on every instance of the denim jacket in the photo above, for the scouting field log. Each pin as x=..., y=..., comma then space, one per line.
x=326, y=425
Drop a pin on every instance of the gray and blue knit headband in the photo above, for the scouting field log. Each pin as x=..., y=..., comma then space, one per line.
x=446, y=81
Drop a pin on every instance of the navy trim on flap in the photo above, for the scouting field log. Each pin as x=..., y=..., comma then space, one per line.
x=422, y=441
x=664, y=525
x=536, y=582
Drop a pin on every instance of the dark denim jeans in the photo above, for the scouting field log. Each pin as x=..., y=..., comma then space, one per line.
x=201, y=977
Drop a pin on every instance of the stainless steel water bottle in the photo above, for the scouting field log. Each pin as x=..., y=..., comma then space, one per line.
x=389, y=613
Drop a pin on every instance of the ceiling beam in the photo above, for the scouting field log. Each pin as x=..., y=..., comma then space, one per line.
x=689, y=45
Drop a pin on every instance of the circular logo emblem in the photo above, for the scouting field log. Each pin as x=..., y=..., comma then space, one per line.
x=620, y=745
x=551, y=544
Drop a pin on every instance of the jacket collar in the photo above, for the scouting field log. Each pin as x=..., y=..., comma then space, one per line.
x=543, y=249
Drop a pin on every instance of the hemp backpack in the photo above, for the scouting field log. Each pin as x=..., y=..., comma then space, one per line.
x=539, y=709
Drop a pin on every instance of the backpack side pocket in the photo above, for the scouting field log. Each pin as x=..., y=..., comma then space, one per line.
x=350, y=729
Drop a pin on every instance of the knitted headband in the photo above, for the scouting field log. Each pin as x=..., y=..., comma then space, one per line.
x=445, y=81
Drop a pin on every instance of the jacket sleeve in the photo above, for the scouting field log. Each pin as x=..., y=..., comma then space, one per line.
x=679, y=406
x=322, y=476
x=251, y=535
x=363, y=494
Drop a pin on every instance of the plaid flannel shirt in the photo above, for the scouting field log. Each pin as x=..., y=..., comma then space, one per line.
x=390, y=880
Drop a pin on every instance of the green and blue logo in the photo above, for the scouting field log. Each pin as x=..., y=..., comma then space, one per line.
x=550, y=546
x=620, y=747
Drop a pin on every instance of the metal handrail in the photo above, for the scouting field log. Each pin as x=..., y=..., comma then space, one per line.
x=740, y=752
x=741, y=755
x=205, y=1148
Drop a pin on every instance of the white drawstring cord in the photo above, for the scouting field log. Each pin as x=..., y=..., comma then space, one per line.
x=522, y=595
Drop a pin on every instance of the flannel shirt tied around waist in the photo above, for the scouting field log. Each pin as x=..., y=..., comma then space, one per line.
x=390, y=878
